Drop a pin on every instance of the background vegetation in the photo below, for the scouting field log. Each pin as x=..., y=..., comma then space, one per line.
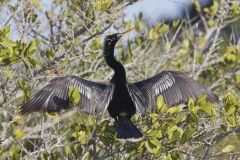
x=39, y=42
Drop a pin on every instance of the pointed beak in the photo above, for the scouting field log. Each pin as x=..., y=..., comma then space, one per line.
x=124, y=33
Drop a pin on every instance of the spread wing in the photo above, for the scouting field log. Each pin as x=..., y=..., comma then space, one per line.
x=94, y=97
x=176, y=88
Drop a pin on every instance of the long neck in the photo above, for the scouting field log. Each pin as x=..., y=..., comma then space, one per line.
x=119, y=71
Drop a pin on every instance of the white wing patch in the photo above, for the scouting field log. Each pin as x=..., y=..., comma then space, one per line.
x=83, y=89
x=164, y=83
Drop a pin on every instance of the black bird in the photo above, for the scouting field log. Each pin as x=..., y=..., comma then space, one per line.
x=120, y=98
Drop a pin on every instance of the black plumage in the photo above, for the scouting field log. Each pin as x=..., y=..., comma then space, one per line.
x=120, y=98
x=54, y=96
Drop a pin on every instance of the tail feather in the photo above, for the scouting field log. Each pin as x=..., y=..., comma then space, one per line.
x=128, y=131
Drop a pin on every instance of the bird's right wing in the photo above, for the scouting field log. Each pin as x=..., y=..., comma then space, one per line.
x=175, y=87
x=94, y=97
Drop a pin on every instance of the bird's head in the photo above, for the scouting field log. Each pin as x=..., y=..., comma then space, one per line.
x=111, y=40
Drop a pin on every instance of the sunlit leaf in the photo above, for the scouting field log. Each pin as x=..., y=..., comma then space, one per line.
x=152, y=35
x=231, y=110
x=52, y=114
x=74, y=95
x=35, y=62
x=9, y=74
x=8, y=43
x=180, y=117
x=186, y=43
x=228, y=148
x=155, y=142
x=174, y=133
x=237, y=77
x=19, y=134
x=19, y=120
x=82, y=137
x=164, y=28
x=202, y=99
x=155, y=133
x=175, y=109
x=190, y=104
x=152, y=148
x=231, y=121
x=67, y=149
x=208, y=108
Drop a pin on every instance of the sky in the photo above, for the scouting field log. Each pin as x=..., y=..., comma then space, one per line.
x=153, y=10
x=160, y=10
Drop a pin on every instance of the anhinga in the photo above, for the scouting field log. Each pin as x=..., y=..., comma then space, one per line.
x=120, y=98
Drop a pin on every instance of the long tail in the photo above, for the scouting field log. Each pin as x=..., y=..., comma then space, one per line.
x=128, y=131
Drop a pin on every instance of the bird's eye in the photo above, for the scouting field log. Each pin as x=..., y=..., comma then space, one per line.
x=118, y=35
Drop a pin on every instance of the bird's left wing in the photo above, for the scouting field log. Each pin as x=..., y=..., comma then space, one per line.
x=175, y=87
x=94, y=97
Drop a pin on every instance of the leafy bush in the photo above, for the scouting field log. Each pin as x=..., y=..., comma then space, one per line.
x=38, y=42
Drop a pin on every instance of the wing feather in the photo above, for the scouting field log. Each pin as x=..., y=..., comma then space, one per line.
x=94, y=97
x=176, y=88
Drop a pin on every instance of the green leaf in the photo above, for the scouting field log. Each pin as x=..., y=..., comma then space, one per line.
x=230, y=99
x=214, y=8
x=155, y=134
x=67, y=149
x=187, y=134
x=231, y=110
x=152, y=148
x=19, y=120
x=35, y=1
x=169, y=157
x=237, y=77
x=192, y=117
x=202, y=99
x=8, y=43
x=186, y=43
x=52, y=114
x=161, y=106
x=102, y=5
x=208, y=108
x=231, y=121
x=5, y=32
x=25, y=88
x=35, y=62
x=9, y=74
x=154, y=117
x=32, y=46
x=155, y=142
x=235, y=9
x=175, y=109
x=164, y=28
x=82, y=137
x=138, y=41
x=152, y=35
x=49, y=54
x=192, y=107
x=180, y=117
x=19, y=134
x=173, y=156
x=74, y=95
x=174, y=133
x=176, y=23
x=190, y=104
x=11, y=53
x=42, y=157
x=228, y=148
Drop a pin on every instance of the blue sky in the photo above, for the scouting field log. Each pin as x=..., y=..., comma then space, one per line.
x=153, y=10
x=160, y=10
